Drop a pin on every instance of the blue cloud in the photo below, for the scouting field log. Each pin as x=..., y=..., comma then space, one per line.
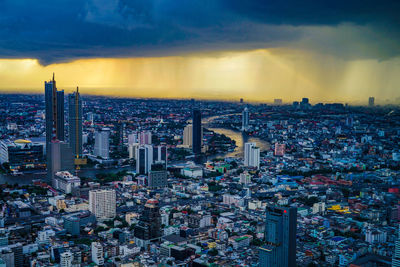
x=63, y=30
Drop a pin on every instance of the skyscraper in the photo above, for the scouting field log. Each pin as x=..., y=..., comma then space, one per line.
x=251, y=155
x=188, y=136
x=144, y=159
x=396, y=255
x=280, y=238
x=102, y=203
x=54, y=111
x=145, y=138
x=160, y=155
x=75, y=123
x=371, y=101
x=196, y=131
x=61, y=159
x=102, y=143
x=148, y=228
x=245, y=119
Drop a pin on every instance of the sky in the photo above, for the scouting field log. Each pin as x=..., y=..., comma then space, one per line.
x=329, y=51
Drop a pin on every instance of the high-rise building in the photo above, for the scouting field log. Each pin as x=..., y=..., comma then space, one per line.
x=188, y=136
x=66, y=259
x=160, y=155
x=371, y=101
x=196, y=132
x=145, y=138
x=280, y=238
x=280, y=149
x=245, y=119
x=144, y=159
x=97, y=253
x=148, y=228
x=157, y=179
x=75, y=123
x=120, y=136
x=396, y=254
x=54, y=111
x=7, y=256
x=278, y=102
x=102, y=143
x=21, y=154
x=61, y=158
x=102, y=203
x=132, y=138
x=251, y=155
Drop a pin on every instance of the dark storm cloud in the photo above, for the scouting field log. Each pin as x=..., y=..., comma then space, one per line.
x=62, y=30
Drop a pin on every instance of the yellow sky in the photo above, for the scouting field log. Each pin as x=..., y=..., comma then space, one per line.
x=259, y=75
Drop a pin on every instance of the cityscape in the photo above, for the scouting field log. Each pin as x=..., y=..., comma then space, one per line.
x=144, y=133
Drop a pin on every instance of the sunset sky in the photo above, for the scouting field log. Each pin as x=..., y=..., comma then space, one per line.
x=343, y=51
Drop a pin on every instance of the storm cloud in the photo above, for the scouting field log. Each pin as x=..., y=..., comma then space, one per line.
x=65, y=30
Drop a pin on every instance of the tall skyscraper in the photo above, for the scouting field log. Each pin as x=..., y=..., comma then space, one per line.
x=245, y=119
x=75, y=123
x=54, y=111
x=371, y=101
x=251, y=155
x=280, y=238
x=396, y=255
x=144, y=159
x=102, y=203
x=196, y=131
x=61, y=159
x=102, y=143
x=188, y=136
x=148, y=228
x=160, y=155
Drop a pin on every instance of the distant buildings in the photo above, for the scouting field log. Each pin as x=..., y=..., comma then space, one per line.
x=75, y=123
x=280, y=238
x=102, y=203
x=148, y=228
x=251, y=155
x=144, y=159
x=278, y=102
x=245, y=119
x=196, y=134
x=102, y=143
x=371, y=101
x=21, y=154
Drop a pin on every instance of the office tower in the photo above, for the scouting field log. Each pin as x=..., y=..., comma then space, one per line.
x=251, y=155
x=188, y=136
x=66, y=259
x=280, y=238
x=18, y=254
x=145, y=138
x=371, y=101
x=280, y=149
x=102, y=203
x=61, y=158
x=75, y=123
x=120, y=136
x=144, y=159
x=21, y=154
x=196, y=132
x=148, y=228
x=157, y=179
x=132, y=139
x=160, y=155
x=396, y=255
x=54, y=111
x=97, y=253
x=102, y=143
x=277, y=102
x=245, y=119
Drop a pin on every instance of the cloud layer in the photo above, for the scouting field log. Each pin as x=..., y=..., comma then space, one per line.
x=64, y=30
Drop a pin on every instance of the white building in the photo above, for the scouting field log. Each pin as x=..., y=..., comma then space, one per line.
x=65, y=181
x=97, y=253
x=44, y=236
x=318, y=208
x=102, y=143
x=188, y=136
x=66, y=259
x=375, y=236
x=251, y=155
x=245, y=178
x=102, y=203
x=132, y=138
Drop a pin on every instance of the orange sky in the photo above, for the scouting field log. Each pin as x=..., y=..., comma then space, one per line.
x=259, y=75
